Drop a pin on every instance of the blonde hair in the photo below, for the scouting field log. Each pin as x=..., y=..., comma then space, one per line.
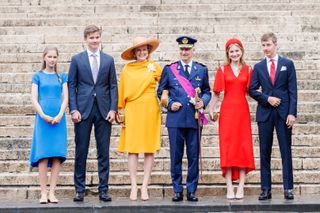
x=228, y=60
x=44, y=65
x=267, y=36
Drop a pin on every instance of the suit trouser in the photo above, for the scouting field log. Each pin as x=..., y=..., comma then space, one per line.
x=177, y=137
x=266, y=140
x=102, y=131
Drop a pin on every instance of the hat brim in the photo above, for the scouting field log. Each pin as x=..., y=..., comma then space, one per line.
x=129, y=55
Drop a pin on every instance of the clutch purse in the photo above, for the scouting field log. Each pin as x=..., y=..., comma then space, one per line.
x=121, y=118
x=215, y=116
x=164, y=98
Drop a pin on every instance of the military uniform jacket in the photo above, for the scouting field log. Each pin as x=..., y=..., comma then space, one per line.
x=184, y=117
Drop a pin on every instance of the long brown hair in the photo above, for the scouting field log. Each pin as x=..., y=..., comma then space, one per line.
x=228, y=60
x=44, y=65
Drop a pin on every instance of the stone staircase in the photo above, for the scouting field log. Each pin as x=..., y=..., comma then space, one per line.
x=28, y=26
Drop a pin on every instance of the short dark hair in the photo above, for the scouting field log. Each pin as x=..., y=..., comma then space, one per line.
x=267, y=36
x=91, y=29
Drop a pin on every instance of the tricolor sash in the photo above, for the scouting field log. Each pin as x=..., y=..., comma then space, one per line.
x=188, y=88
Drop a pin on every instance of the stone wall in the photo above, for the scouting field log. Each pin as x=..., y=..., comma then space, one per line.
x=28, y=26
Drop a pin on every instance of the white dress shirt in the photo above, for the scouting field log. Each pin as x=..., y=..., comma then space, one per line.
x=275, y=62
x=91, y=58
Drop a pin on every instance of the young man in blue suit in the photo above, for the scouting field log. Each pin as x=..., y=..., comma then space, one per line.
x=274, y=86
x=93, y=98
x=182, y=125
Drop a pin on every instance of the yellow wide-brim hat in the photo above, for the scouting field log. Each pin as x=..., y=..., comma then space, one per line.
x=138, y=42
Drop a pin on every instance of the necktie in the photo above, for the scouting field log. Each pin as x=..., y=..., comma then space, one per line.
x=186, y=69
x=272, y=71
x=95, y=68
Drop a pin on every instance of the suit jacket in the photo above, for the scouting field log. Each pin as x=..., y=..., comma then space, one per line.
x=82, y=89
x=184, y=117
x=285, y=88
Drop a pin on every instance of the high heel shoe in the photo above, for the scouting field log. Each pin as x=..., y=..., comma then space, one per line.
x=134, y=193
x=230, y=194
x=239, y=194
x=43, y=199
x=52, y=199
x=144, y=194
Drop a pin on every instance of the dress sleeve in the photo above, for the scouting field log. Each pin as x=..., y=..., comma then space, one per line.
x=64, y=77
x=219, y=81
x=35, y=78
x=121, y=101
x=158, y=72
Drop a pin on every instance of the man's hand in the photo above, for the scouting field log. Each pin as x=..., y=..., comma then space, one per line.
x=175, y=106
x=76, y=117
x=111, y=116
x=290, y=121
x=274, y=101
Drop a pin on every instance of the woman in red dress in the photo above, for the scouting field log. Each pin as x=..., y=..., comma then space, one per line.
x=236, y=152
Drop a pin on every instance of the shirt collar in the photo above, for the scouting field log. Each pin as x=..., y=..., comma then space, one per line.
x=90, y=53
x=275, y=58
x=183, y=64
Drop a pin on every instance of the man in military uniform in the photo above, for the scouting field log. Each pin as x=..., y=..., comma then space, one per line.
x=189, y=93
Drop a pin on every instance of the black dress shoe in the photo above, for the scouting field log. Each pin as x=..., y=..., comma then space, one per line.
x=178, y=196
x=78, y=197
x=103, y=196
x=288, y=194
x=265, y=195
x=192, y=197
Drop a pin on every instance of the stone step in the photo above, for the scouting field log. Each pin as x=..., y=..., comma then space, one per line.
x=14, y=73
x=123, y=178
x=159, y=6
x=22, y=88
x=165, y=58
x=28, y=120
x=16, y=99
x=11, y=45
x=155, y=191
x=27, y=109
x=160, y=164
x=27, y=131
x=15, y=143
x=85, y=12
x=207, y=152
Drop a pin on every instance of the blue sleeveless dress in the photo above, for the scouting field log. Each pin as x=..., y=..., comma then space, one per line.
x=49, y=140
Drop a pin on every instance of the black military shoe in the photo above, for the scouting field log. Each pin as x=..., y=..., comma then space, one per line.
x=265, y=195
x=288, y=194
x=103, y=196
x=192, y=197
x=78, y=197
x=177, y=197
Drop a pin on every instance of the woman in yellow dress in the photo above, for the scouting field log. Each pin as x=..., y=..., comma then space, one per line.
x=142, y=119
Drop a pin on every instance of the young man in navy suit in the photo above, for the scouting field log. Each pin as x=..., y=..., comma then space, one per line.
x=93, y=98
x=182, y=125
x=274, y=86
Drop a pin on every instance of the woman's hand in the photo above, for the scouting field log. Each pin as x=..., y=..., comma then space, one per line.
x=47, y=118
x=56, y=119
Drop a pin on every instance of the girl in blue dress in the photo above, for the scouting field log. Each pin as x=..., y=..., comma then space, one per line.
x=49, y=143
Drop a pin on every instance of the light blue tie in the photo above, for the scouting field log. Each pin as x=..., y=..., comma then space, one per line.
x=95, y=68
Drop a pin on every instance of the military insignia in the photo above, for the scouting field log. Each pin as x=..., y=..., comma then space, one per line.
x=198, y=78
x=185, y=41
